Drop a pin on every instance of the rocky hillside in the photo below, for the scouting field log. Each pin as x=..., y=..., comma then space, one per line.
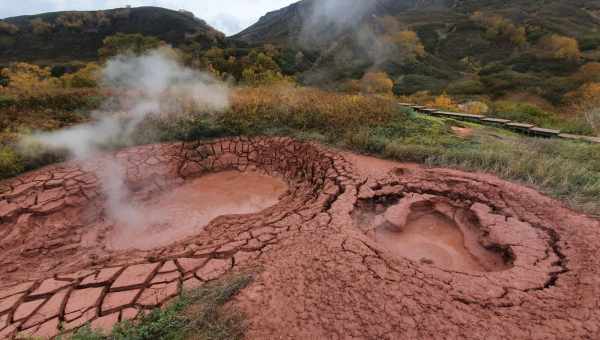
x=463, y=46
x=287, y=24
x=67, y=36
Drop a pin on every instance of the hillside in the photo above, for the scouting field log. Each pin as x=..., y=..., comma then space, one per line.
x=67, y=36
x=469, y=47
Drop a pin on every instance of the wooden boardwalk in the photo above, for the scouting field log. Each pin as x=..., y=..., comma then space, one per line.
x=520, y=127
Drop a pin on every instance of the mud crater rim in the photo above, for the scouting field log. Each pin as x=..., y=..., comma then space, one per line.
x=431, y=230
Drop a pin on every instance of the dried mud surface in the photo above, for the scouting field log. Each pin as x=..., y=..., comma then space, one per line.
x=495, y=260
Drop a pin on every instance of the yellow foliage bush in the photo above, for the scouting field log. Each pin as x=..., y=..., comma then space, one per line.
x=498, y=27
x=40, y=27
x=73, y=20
x=351, y=86
x=443, y=102
x=305, y=108
x=88, y=76
x=586, y=101
x=376, y=82
x=589, y=72
x=8, y=28
x=407, y=42
x=475, y=107
x=560, y=47
x=28, y=79
x=261, y=69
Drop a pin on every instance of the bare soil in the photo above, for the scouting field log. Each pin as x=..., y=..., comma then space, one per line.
x=347, y=246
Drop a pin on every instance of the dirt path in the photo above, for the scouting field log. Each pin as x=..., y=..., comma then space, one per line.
x=356, y=248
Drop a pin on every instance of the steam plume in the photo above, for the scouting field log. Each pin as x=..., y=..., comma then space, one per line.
x=150, y=85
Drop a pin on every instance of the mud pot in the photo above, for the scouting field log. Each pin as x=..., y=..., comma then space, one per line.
x=345, y=246
x=185, y=210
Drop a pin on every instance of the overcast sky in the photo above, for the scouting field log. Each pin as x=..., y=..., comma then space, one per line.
x=229, y=16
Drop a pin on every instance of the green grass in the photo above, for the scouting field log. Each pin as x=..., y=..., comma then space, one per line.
x=528, y=113
x=197, y=314
x=566, y=170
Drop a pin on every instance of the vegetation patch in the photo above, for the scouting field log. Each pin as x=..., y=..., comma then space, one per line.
x=197, y=314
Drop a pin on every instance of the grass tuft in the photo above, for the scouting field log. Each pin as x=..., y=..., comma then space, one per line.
x=198, y=314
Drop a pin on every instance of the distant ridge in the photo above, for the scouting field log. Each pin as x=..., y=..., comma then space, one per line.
x=77, y=35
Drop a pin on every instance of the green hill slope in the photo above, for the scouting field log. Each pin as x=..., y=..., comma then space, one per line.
x=504, y=48
x=66, y=36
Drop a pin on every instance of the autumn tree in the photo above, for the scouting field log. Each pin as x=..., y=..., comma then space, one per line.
x=351, y=86
x=121, y=43
x=260, y=68
x=103, y=19
x=589, y=72
x=8, y=28
x=376, y=82
x=87, y=76
x=586, y=100
x=40, y=27
x=71, y=20
x=407, y=43
x=443, y=102
x=475, y=107
x=393, y=43
x=500, y=28
x=28, y=79
x=560, y=47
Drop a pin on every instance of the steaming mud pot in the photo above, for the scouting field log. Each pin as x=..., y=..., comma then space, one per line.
x=350, y=246
x=185, y=210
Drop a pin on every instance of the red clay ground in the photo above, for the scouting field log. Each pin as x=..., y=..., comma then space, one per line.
x=355, y=248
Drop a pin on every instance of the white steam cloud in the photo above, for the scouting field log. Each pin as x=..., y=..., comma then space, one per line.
x=151, y=85
x=353, y=34
x=328, y=18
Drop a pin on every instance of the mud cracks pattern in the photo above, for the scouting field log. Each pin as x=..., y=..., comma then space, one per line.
x=324, y=274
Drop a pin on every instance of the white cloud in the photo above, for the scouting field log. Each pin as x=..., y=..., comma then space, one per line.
x=229, y=16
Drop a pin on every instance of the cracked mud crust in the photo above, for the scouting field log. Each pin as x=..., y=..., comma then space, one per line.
x=325, y=271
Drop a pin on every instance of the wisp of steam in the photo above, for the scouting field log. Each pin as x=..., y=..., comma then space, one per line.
x=149, y=85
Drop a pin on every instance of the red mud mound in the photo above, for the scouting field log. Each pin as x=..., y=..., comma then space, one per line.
x=349, y=247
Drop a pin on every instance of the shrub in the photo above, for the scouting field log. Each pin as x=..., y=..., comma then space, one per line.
x=261, y=69
x=492, y=68
x=560, y=47
x=407, y=43
x=523, y=112
x=40, y=27
x=75, y=20
x=500, y=83
x=255, y=110
x=28, y=79
x=376, y=82
x=412, y=83
x=586, y=100
x=6, y=101
x=589, y=72
x=466, y=87
x=499, y=28
x=86, y=77
x=121, y=43
x=443, y=102
x=10, y=163
x=475, y=107
x=8, y=28
x=590, y=42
